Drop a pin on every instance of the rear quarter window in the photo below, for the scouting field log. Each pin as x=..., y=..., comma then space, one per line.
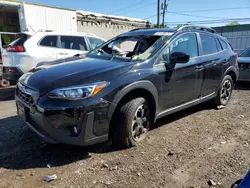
x=223, y=44
x=95, y=42
x=22, y=38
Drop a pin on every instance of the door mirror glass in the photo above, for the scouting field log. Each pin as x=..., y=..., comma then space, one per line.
x=179, y=57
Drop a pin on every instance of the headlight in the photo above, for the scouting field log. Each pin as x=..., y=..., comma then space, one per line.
x=78, y=92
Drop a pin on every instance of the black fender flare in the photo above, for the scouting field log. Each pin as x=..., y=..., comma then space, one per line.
x=234, y=69
x=143, y=84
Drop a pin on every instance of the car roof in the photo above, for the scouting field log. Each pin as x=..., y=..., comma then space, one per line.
x=67, y=34
x=150, y=32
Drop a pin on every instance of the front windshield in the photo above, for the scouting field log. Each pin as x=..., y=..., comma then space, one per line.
x=131, y=48
x=245, y=53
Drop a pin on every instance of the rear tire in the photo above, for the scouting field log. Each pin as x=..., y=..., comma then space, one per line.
x=225, y=91
x=131, y=124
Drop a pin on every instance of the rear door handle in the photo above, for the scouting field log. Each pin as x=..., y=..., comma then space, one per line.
x=61, y=53
x=199, y=67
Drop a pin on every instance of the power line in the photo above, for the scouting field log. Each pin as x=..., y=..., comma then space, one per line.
x=130, y=6
x=137, y=8
x=210, y=21
x=207, y=10
x=150, y=17
x=179, y=13
x=127, y=7
x=212, y=10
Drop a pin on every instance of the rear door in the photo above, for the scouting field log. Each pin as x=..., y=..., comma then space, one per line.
x=70, y=46
x=46, y=49
x=212, y=57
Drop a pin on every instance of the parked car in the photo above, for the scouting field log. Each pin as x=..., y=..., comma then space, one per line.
x=30, y=49
x=122, y=87
x=244, y=65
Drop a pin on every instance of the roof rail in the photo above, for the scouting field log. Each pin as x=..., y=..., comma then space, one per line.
x=90, y=34
x=190, y=27
x=140, y=28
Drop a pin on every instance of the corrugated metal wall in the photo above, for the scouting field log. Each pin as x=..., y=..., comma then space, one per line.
x=238, y=36
x=103, y=30
x=42, y=17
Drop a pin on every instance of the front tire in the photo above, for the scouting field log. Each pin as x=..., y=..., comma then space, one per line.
x=131, y=124
x=225, y=91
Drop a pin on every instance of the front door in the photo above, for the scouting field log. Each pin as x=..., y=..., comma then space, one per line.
x=181, y=82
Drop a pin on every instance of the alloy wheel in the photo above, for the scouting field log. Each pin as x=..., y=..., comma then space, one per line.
x=226, y=91
x=140, y=123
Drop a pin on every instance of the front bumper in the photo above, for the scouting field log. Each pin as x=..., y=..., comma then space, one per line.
x=55, y=123
x=12, y=77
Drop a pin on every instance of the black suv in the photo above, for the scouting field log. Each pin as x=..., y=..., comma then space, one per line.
x=123, y=86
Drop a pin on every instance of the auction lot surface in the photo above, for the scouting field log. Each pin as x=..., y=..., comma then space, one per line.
x=185, y=149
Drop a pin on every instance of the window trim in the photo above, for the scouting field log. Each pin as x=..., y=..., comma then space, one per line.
x=59, y=44
x=39, y=42
x=218, y=43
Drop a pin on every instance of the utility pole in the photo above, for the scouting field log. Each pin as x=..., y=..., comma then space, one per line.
x=164, y=7
x=158, y=13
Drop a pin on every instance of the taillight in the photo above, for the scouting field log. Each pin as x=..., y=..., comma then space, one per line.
x=12, y=70
x=15, y=49
x=236, y=55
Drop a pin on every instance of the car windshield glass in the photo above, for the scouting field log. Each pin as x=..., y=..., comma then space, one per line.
x=132, y=48
x=245, y=53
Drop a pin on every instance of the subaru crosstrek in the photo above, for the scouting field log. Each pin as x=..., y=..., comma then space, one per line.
x=119, y=89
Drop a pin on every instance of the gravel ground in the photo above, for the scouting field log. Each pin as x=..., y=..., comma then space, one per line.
x=186, y=149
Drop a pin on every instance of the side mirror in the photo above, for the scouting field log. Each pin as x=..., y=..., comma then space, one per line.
x=179, y=57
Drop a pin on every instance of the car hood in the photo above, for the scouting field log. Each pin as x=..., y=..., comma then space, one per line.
x=62, y=60
x=83, y=71
x=243, y=59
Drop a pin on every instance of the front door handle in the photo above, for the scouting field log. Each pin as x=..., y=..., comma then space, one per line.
x=199, y=67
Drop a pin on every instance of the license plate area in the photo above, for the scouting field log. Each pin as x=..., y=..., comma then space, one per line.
x=22, y=110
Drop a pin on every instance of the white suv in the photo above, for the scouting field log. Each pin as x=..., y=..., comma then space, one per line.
x=29, y=49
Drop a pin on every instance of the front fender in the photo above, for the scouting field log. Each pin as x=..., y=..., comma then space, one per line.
x=143, y=84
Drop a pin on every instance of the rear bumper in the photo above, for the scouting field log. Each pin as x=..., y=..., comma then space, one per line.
x=57, y=125
x=11, y=76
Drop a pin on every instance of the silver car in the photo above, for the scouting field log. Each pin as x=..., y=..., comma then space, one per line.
x=244, y=65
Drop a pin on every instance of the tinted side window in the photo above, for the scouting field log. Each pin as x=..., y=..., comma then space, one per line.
x=94, y=42
x=208, y=43
x=49, y=41
x=73, y=43
x=21, y=39
x=186, y=43
x=245, y=53
x=223, y=44
x=218, y=45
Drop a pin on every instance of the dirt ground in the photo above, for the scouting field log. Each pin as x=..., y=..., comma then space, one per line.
x=186, y=149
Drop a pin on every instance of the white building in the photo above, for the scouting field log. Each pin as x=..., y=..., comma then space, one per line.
x=16, y=17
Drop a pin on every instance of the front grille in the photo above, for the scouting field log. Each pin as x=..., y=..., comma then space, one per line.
x=24, y=96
